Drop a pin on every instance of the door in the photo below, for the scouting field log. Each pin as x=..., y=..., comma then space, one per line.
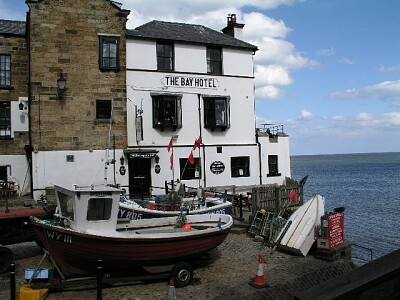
x=139, y=177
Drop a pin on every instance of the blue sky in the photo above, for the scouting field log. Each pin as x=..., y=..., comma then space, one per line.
x=328, y=70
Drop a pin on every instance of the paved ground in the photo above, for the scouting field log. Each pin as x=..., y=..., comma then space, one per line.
x=225, y=275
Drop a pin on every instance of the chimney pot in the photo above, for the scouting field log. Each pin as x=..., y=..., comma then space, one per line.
x=231, y=19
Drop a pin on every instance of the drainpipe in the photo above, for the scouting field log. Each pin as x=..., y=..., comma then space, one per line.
x=28, y=148
x=259, y=157
x=202, y=146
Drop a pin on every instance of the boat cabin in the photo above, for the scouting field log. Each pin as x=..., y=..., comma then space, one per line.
x=89, y=208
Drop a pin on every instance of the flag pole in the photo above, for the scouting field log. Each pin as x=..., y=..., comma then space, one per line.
x=172, y=166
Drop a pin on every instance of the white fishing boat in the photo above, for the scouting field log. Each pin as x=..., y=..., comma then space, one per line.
x=86, y=227
x=302, y=227
x=167, y=207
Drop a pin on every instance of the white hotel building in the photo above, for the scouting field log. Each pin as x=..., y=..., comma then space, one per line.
x=188, y=81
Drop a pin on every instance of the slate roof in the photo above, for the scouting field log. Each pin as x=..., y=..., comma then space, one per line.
x=189, y=33
x=12, y=27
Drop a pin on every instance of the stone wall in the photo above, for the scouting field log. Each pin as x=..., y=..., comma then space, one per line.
x=64, y=38
x=15, y=45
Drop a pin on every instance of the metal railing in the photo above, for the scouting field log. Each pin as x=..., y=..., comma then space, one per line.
x=271, y=129
x=362, y=253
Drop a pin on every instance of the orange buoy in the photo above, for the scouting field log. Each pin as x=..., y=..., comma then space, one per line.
x=187, y=227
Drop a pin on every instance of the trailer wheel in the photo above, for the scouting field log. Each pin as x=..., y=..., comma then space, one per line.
x=6, y=258
x=182, y=274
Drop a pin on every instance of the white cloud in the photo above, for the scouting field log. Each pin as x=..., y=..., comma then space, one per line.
x=268, y=91
x=386, y=120
x=338, y=118
x=258, y=25
x=383, y=90
x=364, y=117
x=305, y=115
x=389, y=69
x=326, y=52
x=260, y=121
x=271, y=75
x=392, y=118
x=346, y=61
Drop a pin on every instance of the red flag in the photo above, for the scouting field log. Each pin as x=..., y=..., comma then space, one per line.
x=171, y=159
x=197, y=143
x=191, y=158
x=169, y=145
x=293, y=196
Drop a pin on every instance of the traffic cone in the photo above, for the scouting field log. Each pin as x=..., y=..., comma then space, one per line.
x=259, y=280
x=171, y=295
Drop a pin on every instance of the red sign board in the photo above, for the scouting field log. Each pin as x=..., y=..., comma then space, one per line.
x=335, y=229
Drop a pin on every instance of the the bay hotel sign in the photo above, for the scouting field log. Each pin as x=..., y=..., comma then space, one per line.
x=191, y=82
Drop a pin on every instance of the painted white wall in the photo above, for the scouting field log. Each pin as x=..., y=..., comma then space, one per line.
x=237, y=62
x=141, y=55
x=17, y=170
x=281, y=148
x=190, y=58
x=51, y=167
x=142, y=84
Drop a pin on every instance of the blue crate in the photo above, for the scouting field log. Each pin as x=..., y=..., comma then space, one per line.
x=41, y=274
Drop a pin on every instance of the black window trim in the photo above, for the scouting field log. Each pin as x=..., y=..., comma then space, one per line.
x=237, y=175
x=98, y=101
x=186, y=166
x=102, y=39
x=273, y=174
x=212, y=61
x=208, y=98
x=165, y=57
x=6, y=86
x=7, y=130
x=178, y=112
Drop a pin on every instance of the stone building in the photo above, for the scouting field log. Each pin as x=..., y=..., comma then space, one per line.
x=83, y=43
x=13, y=103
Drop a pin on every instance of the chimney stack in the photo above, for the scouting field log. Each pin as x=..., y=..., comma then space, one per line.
x=233, y=28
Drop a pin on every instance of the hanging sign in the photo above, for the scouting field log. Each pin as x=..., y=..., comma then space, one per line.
x=141, y=155
x=122, y=170
x=217, y=167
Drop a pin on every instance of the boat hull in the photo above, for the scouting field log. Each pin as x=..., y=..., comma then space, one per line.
x=305, y=221
x=79, y=252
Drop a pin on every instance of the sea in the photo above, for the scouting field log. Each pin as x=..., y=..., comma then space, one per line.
x=367, y=185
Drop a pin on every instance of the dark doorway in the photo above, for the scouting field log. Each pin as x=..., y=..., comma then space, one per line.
x=139, y=177
x=3, y=173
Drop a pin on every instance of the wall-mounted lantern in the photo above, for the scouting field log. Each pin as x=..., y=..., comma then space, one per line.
x=23, y=105
x=61, y=81
x=122, y=160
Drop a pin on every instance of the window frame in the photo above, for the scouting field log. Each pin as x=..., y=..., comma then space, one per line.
x=105, y=40
x=187, y=171
x=5, y=120
x=165, y=57
x=99, y=209
x=5, y=68
x=159, y=103
x=210, y=113
x=240, y=162
x=214, y=60
x=273, y=165
x=101, y=109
